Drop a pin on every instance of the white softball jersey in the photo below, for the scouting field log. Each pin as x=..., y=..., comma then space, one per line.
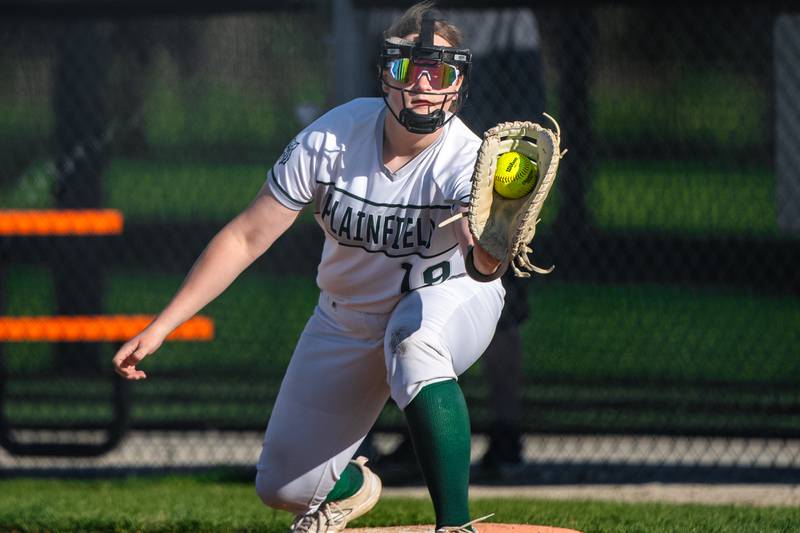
x=382, y=239
x=396, y=310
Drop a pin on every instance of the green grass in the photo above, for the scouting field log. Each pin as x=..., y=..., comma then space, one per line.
x=586, y=330
x=701, y=110
x=692, y=198
x=28, y=118
x=178, y=191
x=213, y=116
x=577, y=329
x=196, y=504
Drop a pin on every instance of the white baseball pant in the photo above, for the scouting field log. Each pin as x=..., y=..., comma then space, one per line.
x=347, y=364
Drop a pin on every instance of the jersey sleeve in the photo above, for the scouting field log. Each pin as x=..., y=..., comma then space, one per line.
x=292, y=179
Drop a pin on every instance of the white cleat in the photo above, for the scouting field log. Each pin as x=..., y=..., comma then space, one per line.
x=332, y=517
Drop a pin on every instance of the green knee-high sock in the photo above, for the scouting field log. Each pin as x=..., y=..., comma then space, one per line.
x=439, y=425
x=351, y=480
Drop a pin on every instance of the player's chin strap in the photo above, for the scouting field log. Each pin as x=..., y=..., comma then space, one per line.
x=416, y=123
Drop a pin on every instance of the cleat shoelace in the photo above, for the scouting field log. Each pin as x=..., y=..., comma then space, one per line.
x=466, y=528
x=316, y=522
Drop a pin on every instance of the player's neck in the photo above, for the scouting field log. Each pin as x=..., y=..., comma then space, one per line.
x=400, y=145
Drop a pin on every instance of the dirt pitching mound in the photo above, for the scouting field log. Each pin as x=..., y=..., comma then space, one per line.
x=482, y=528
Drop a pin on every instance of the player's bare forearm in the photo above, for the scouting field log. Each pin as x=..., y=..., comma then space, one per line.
x=225, y=257
x=230, y=252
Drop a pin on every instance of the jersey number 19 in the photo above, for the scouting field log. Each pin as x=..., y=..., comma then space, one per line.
x=431, y=276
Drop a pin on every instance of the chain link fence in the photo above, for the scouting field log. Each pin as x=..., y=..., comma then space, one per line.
x=666, y=340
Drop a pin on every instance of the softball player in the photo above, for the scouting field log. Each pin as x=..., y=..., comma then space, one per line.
x=397, y=315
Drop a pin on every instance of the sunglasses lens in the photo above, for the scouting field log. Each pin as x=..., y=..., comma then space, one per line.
x=449, y=75
x=398, y=69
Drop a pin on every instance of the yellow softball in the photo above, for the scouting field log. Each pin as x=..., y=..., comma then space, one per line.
x=515, y=175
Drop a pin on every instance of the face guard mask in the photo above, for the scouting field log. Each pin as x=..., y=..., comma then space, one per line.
x=405, y=62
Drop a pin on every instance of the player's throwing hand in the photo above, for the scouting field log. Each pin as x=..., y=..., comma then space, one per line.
x=133, y=351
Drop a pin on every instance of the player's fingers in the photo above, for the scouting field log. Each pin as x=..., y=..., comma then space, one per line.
x=125, y=352
x=128, y=370
x=135, y=374
x=127, y=357
x=121, y=355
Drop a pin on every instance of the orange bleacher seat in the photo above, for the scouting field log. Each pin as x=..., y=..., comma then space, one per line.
x=105, y=328
x=60, y=222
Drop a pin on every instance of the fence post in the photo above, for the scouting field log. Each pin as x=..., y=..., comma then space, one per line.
x=81, y=126
x=787, y=122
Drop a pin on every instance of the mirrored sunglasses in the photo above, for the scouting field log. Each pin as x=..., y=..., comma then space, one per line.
x=440, y=75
